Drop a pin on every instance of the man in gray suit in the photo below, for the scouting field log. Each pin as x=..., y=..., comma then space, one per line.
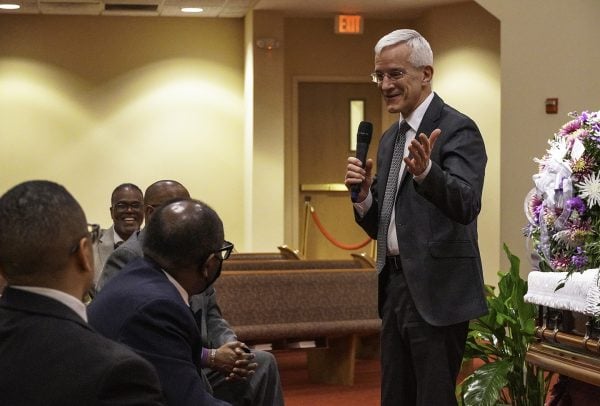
x=49, y=355
x=127, y=213
x=422, y=208
x=263, y=387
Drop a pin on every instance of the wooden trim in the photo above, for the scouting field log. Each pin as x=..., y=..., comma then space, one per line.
x=575, y=365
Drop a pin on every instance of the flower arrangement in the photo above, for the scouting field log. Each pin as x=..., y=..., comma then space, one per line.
x=564, y=207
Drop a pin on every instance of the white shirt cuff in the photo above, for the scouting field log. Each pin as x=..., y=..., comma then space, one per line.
x=422, y=176
x=363, y=207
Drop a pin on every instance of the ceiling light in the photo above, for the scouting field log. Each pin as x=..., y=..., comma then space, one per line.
x=192, y=9
x=9, y=6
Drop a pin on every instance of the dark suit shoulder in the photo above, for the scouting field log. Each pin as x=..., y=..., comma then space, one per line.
x=74, y=365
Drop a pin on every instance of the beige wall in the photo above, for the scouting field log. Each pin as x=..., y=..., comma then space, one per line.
x=467, y=76
x=549, y=49
x=94, y=101
x=91, y=102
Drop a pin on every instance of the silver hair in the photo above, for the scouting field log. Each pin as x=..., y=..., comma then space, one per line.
x=421, y=53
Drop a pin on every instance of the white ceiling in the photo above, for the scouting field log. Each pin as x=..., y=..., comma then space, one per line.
x=229, y=8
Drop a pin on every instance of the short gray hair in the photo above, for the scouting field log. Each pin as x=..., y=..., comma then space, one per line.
x=421, y=54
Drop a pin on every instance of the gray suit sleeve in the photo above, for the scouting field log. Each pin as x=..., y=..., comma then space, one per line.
x=215, y=330
x=219, y=330
x=115, y=262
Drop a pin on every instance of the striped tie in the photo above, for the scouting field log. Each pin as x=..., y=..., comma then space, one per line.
x=390, y=195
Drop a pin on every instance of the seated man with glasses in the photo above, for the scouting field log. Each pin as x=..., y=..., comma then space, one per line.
x=127, y=213
x=49, y=355
x=146, y=306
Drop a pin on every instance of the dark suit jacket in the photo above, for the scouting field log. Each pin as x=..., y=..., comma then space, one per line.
x=214, y=329
x=141, y=308
x=436, y=221
x=50, y=356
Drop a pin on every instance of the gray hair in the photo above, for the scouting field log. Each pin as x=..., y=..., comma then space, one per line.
x=421, y=53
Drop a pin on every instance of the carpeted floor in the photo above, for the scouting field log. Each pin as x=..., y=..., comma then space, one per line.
x=298, y=391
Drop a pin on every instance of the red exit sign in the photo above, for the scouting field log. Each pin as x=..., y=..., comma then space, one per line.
x=348, y=24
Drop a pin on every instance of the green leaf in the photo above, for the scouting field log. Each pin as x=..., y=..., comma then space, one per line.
x=487, y=382
x=501, y=339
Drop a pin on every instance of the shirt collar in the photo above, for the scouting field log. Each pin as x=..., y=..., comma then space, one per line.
x=180, y=289
x=70, y=301
x=116, y=237
x=415, y=118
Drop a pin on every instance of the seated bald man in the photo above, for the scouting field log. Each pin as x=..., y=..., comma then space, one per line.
x=49, y=355
x=146, y=305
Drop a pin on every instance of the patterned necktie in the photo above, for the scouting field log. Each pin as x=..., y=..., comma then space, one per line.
x=390, y=195
x=118, y=244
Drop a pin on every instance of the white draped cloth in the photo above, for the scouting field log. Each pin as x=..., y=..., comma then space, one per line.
x=581, y=293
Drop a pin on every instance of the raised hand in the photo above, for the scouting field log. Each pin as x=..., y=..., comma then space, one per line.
x=420, y=151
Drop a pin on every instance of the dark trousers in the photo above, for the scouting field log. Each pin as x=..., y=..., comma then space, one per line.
x=419, y=362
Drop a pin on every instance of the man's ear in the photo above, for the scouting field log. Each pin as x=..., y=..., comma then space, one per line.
x=427, y=74
x=208, y=266
x=148, y=211
x=85, y=256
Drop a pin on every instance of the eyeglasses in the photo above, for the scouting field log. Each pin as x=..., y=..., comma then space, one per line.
x=225, y=252
x=124, y=206
x=93, y=231
x=394, y=76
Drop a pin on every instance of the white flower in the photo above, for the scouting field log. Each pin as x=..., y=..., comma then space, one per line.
x=558, y=149
x=589, y=189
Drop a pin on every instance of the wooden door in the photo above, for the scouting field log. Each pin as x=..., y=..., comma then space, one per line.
x=323, y=148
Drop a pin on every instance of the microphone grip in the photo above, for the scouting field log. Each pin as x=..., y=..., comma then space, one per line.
x=363, y=139
x=361, y=154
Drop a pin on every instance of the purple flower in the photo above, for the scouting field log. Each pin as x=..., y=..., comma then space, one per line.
x=584, y=116
x=559, y=263
x=570, y=127
x=579, y=260
x=576, y=203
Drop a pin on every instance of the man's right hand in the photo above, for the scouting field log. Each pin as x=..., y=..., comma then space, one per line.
x=355, y=175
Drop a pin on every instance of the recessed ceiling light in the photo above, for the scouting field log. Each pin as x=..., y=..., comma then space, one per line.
x=9, y=6
x=192, y=10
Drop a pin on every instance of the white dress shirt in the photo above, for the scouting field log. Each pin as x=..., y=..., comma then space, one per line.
x=414, y=121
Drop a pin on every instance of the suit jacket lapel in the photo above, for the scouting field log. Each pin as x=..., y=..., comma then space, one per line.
x=106, y=245
x=432, y=116
x=428, y=124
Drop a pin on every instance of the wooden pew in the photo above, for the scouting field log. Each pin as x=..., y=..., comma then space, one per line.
x=328, y=309
x=284, y=253
x=281, y=264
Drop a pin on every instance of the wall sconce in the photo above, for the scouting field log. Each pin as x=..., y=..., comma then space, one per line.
x=267, y=43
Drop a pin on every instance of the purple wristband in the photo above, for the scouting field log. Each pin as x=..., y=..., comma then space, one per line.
x=204, y=362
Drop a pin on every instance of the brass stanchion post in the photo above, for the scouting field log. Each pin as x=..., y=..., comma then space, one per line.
x=307, y=210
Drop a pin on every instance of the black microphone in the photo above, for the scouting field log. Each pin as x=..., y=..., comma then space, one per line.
x=363, y=139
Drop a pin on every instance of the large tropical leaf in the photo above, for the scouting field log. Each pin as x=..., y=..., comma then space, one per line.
x=483, y=389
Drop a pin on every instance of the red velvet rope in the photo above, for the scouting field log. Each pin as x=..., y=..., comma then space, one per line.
x=338, y=244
